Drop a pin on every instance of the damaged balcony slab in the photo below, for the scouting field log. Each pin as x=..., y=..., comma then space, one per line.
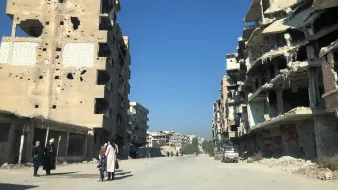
x=256, y=96
x=327, y=49
x=296, y=20
x=282, y=5
x=296, y=114
x=296, y=71
x=256, y=38
x=254, y=12
x=282, y=51
x=324, y=4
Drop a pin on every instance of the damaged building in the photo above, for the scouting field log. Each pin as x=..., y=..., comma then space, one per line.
x=283, y=80
x=64, y=75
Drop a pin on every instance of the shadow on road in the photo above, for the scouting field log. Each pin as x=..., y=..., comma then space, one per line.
x=123, y=177
x=64, y=173
x=122, y=173
x=7, y=186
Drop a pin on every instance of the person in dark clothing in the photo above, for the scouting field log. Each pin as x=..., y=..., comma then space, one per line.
x=49, y=160
x=168, y=154
x=37, y=155
x=103, y=163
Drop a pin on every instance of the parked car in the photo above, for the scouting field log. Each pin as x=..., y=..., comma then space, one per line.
x=229, y=155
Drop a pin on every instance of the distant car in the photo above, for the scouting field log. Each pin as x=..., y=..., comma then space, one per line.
x=229, y=155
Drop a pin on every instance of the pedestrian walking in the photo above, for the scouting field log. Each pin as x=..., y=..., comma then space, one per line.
x=49, y=160
x=172, y=154
x=37, y=155
x=102, y=163
x=111, y=152
x=168, y=154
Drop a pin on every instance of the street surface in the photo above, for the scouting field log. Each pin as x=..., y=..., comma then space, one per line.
x=183, y=173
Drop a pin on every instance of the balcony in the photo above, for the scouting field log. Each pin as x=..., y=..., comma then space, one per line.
x=102, y=107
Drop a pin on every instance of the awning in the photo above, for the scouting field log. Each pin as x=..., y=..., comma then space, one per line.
x=296, y=20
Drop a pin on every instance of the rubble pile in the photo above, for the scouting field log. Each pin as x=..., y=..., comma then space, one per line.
x=93, y=161
x=287, y=161
x=9, y=166
x=318, y=173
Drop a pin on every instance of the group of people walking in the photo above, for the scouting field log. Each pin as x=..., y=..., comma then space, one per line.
x=172, y=154
x=45, y=157
x=108, y=161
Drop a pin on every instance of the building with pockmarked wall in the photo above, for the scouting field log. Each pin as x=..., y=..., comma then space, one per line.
x=283, y=79
x=66, y=76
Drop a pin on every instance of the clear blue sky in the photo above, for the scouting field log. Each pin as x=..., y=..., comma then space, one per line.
x=178, y=52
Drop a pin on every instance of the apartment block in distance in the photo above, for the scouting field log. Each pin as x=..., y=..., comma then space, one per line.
x=64, y=75
x=138, y=119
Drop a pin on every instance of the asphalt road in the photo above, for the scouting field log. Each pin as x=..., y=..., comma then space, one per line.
x=183, y=173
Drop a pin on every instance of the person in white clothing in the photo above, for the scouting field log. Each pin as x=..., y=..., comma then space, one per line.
x=111, y=151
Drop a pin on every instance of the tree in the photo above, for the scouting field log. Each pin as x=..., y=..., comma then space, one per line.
x=195, y=141
x=158, y=144
x=190, y=148
x=208, y=147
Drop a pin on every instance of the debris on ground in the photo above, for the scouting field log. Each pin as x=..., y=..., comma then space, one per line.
x=318, y=173
x=9, y=166
x=249, y=160
x=301, y=167
x=93, y=161
x=5, y=165
x=286, y=161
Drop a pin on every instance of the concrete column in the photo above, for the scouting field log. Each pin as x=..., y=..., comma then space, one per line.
x=67, y=144
x=260, y=81
x=90, y=144
x=11, y=143
x=268, y=74
x=86, y=146
x=275, y=67
x=312, y=88
x=280, y=102
x=315, y=77
x=306, y=139
x=326, y=135
x=11, y=44
x=28, y=143
x=267, y=107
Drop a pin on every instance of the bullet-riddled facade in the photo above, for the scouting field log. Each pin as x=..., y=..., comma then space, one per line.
x=283, y=79
x=66, y=67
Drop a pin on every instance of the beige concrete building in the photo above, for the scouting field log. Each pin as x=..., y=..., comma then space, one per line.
x=283, y=80
x=160, y=137
x=178, y=140
x=138, y=117
x=67, y=78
